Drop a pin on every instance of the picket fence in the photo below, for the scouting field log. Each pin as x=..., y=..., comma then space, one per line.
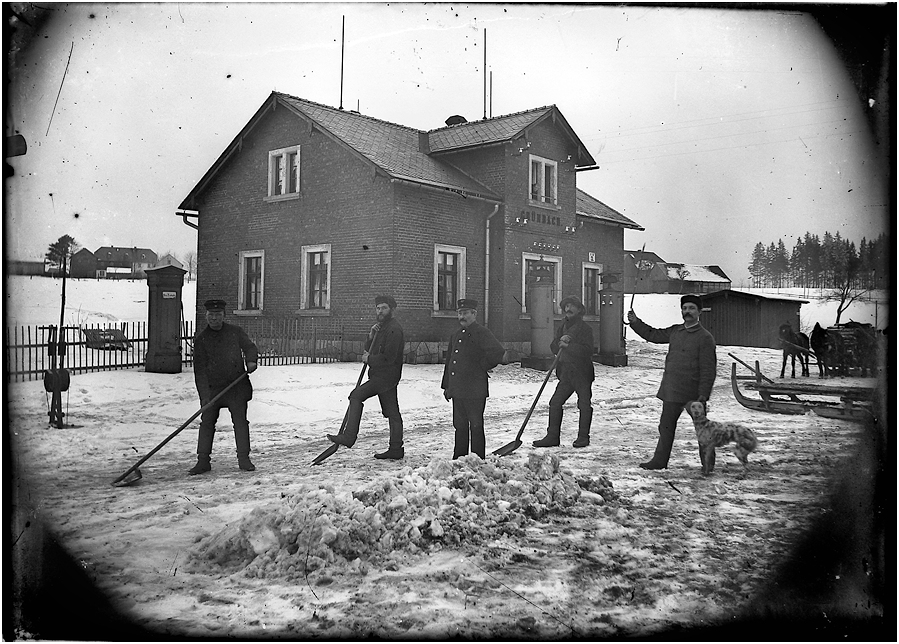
x=124, y=346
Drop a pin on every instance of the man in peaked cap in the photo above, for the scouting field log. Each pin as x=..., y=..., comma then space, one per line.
x=384, y=355
x=472, y=352
x=573, y=344
x=222, y=354
x=689, y=371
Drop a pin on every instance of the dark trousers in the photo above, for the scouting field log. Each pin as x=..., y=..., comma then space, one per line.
x=237, y=407
x=390, y=409
x=468, y=421
x=671, y=411
x=564, y=389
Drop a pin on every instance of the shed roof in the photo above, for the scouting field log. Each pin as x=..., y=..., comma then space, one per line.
x=592, y=208
x=697, y=273
x=752, y=296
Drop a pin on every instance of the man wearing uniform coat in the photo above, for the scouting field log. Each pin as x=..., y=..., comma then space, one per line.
x=384, y=349
x=574, y=339
x=220, y=352
x=472, y=351
x=689, y=371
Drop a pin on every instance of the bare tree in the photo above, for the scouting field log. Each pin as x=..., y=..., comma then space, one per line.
x=682, y=274
x=845, y=293
x=190, y=263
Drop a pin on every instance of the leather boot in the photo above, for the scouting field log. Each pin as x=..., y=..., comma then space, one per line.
x=583, y=429
x=392, y=453
x=551, y=439
x=351, y=430
x=244, y=463
x=203, y=465
x=659, y=460
x=395, y=450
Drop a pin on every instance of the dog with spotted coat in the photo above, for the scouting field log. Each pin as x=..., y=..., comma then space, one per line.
x=711, y=434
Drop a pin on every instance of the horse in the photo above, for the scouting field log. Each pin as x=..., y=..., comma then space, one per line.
x=864, y=354
x=819, y=343
x=792, y=342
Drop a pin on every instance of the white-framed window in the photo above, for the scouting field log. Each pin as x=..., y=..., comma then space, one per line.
x=592, y=283
x=284, y=172
x=251, y=281
x=315, y=277
x=449, y=276
x=543, y=179
x=528, y=261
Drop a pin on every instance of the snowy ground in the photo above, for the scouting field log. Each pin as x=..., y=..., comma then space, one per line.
x=556, y=543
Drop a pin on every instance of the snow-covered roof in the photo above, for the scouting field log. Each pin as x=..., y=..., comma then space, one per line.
x=696, y=273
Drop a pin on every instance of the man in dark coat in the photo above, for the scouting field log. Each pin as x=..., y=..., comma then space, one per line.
x=573, y=344
x=472, y=351
x=689, y=370
x=220, y=352
x=384, y=355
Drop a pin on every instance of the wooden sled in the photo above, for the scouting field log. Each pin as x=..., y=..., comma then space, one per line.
x=784, y=397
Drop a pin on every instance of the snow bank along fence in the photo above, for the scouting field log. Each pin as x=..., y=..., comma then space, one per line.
x=124, y=345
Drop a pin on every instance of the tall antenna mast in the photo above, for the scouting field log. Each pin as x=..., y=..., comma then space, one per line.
x=485, y=72
x=342, y=26
x=491, y=93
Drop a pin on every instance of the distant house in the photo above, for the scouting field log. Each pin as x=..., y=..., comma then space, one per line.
x=83, y=264
x=23, y=267
x=311, y=211
x=655, y=275
x=741, y=319
x=690, y=278
x=116, y=261
x=169, y=260
x=644, y=272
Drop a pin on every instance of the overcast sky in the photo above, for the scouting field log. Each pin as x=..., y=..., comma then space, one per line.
x=714, y=128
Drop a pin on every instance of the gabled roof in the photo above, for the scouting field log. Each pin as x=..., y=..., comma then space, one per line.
x=118, y=253
x=392, y=149
x=753, y=296
x=593, y=208
x=502, y=129
x=697, y=273
x=645, y=255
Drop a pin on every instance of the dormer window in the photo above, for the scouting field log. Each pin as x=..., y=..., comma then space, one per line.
x=284, y=172
x=543, y=180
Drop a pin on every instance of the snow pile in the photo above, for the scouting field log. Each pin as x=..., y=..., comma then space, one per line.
x=451, y=503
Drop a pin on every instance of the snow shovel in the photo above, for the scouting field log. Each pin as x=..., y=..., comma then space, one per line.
x=133, y=474
x=333, y=446
x=508, y=448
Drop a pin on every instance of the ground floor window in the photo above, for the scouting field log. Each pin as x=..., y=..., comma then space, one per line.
x=449, y=276
x=315, y=277
x=252, y=280
x=592, y=286
x=540, y=267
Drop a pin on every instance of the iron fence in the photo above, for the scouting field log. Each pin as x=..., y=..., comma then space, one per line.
x=124, y=345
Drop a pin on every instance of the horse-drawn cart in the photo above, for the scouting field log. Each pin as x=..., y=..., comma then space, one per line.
x=853, y=402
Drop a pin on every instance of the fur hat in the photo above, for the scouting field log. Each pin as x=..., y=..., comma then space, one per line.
x=571, y=299
x=692, y=298
x=385, y=299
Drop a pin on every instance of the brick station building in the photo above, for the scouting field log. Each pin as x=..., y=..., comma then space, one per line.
x=311, y=211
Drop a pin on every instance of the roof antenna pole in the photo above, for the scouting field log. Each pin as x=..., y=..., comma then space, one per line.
x=491, y=93
x=342, y=25
x=485, y=72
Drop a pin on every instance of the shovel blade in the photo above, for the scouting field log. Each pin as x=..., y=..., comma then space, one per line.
x=328, y=452
x=508, y=448
x=132, y=477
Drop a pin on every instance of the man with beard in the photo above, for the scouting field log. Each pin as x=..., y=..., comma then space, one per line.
x=689, y=370
x=574, y=339
x=220, y=351
x=472, y=352
x=384, y=356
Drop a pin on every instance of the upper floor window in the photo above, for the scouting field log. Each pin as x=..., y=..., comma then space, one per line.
x=543, y=180
x=251, y=280
x=315, y=277
x=284, y=172
x=449, y=276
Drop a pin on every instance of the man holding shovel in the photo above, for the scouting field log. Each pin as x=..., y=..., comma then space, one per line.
x=689, y=370
x=472, y=352
x=384, y=356
x=574, y=339
x=220, y=352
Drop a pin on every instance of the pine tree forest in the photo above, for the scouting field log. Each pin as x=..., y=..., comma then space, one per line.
x=831, y=262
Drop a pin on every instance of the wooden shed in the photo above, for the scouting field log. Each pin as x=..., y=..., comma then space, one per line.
x=743, y=319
